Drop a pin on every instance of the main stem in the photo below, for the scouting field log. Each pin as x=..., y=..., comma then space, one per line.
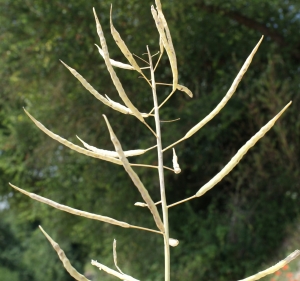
x=161, y=173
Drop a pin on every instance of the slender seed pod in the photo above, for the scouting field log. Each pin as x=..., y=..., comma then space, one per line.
x=116, y=256
x=71, y=145
x=113, y=272
x=135, y=178
x=62, y=256
x=70, y=210
x=116, y=63
x=114, y=154
x=168, y=48
x=122, y=46
x=239, y=155
x=273, y=268
x=113, y=74
x=223, y=102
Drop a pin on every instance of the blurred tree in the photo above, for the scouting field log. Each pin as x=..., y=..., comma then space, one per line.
x=230, y=232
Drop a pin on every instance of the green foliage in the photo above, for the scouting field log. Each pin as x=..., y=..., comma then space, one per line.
x=230, y=232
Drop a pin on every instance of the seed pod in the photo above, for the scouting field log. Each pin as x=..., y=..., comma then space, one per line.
x=239, y=155
x=109, y=153
x=175, y=163
x=122, y=46
x=185, y=89
x=113, y=74
x=116, y=63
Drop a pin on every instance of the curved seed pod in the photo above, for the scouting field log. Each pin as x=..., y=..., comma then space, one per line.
x=228, y=95
x=70, y=210
x=168, y=48
x=239, y=155
x=113, y=272
x=175, y=163
x=135, y=178
x=122, y=46
x=116, y=63
x=184, y=89
x=273, y=268
x=116, y=106
x=116, y=256
x=224, y=101
x=128, y=153
x=112, y=73
x=62, y=256
x=71, y=145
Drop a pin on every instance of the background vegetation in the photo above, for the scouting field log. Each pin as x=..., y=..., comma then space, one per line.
x=237, y=227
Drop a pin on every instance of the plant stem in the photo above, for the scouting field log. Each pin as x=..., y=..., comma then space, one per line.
x=161, y=174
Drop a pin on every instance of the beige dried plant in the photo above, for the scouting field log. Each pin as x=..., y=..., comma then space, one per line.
x=119, y=156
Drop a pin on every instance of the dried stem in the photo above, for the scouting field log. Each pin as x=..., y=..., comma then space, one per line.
x=223, y=102
x=62, y=256
x=161, y=174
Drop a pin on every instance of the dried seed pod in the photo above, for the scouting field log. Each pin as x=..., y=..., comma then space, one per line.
x=71, y=145
x=185, y=89
x=62, y=256
x=116, y=63
x=239, y=155
x=115, y=256
x=223, y=102
x=71, y=210
x=114, y=105
x=113, y=74
x=169, y=49
x=175, y=163
x=273, y=268
x=110, y=271
x=135, y=178
x=103, y=152
x=122, y=46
